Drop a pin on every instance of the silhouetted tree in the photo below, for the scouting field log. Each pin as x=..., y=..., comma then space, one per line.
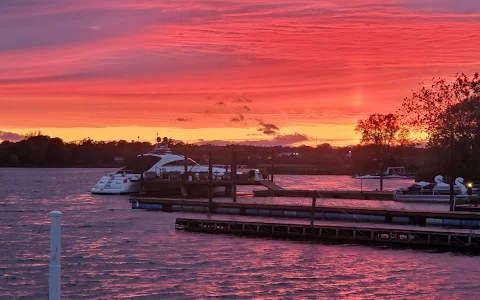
x=380, y=131
x=449, y=113
x=437, y=110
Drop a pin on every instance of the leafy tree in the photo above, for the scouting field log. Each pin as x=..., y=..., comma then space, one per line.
x=381, y=131
x=467, y=119
x=449, y=113
x=438, y=110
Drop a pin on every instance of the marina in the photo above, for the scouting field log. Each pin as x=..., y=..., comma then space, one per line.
x=199, y=188
x=240, y=149
x=110, y=250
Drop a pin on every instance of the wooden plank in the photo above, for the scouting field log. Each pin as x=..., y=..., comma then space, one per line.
x=271, y=185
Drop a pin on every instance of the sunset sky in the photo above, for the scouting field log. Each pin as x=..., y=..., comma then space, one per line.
x=274, y=71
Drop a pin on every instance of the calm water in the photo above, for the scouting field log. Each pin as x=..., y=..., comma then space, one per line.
x=110, y=251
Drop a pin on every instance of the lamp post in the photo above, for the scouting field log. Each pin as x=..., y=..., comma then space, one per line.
x=381, y=171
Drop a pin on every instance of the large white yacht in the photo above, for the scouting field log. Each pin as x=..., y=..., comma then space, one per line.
x=159, y=161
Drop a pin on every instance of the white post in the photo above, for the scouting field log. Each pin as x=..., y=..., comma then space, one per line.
x=55, y=234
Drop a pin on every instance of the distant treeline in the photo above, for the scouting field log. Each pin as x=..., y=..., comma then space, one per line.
x=44, y=151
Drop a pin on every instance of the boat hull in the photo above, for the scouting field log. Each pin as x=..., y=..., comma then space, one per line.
x=117, y=185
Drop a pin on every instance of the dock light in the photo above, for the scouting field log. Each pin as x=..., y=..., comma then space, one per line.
x=469, y=184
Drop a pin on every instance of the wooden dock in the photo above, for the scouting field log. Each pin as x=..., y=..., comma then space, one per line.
x=220, y=182
x=341, y=233
x=199, y=188
x=190, y=189
x=422, y=218
x=371, y=195
x=271, y=185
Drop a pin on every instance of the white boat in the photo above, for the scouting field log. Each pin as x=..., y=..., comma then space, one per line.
x=156, y=163
x=390, y=173
x=438, y=192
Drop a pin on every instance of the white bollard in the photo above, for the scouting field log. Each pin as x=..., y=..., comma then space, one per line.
x=55, y=234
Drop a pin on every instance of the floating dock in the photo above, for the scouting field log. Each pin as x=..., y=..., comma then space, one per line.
x=422, y=218
x=191, y=189
x=371, y=195
x=199, y=188
x=468, y=207
x=341, y=233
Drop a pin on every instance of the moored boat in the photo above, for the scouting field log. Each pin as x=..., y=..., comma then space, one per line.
x=390, y=173
x=438, y=192
x=158, y=163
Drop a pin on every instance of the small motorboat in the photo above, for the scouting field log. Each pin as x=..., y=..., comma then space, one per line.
x=390, y=173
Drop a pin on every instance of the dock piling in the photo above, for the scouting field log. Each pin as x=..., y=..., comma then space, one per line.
x=185, y=164
x=55, y=247
x=273, y=165
x=312, y=214
x=450, y=173
x=234, y=176
x=210, y=182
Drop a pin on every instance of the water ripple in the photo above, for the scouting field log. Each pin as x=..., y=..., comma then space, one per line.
x=110, y=251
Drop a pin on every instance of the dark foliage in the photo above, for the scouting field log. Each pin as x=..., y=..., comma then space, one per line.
x=43, y=151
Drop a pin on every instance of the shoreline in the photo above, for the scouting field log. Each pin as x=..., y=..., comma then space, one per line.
x=277, y=172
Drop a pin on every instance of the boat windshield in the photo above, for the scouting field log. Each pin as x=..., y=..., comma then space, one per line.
x=181, y=162
x=140, y=164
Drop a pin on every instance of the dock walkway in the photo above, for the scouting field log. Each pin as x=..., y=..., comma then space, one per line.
x=271, y=185
x=391, y=216
x=338, y=232
x=370, y=195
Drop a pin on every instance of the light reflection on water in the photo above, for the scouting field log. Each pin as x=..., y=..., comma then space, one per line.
x=112, y=251
x=335, y=182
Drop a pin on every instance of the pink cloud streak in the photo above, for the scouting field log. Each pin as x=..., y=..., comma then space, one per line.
x=112, y=58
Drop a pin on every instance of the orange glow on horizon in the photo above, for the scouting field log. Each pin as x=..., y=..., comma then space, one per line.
x=191, y=135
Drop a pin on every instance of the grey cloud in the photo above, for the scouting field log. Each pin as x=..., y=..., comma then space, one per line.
x=289, y=139
x=240, y=118
x=242, y=100
x=280, y=140
x=183, y=119
x=10, y=136
x=268, y=128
